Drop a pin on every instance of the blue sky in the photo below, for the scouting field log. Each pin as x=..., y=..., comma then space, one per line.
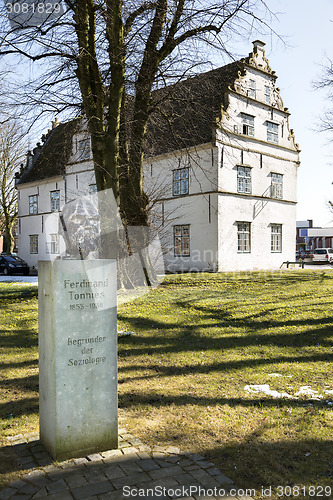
x=307, y=29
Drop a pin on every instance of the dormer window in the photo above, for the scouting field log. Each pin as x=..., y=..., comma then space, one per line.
x=252, y=89
x=247, y=125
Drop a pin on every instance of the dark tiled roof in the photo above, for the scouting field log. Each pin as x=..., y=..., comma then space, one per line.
x=187, y=111
x=54, y=154
x=184, y=116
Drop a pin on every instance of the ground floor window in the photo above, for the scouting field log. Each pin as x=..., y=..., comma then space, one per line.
x=33, y=243
x=53, y=245
x=276, y=238
x=244, y=237
x=181, y=239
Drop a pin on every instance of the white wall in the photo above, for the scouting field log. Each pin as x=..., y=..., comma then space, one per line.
x=233, y=209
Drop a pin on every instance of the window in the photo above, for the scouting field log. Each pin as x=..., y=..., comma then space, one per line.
x=252, y=89
x=53, y=246
x=33, y=204
x=244, y=180
x=272, y=132
x=276, y=238
x=244, y=237
x=55, y=201
x=33, y=243
x=180, y=181
x=267, y=94
x=83, y=148
x=181, y=239
x=277, y=186
x=92, y=189
x=248, y=125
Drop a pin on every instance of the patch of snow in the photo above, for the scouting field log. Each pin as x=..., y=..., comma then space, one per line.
x=266, y=390
x=328, y=392
x=123, y=333
x=275, y=375
x=306, y=390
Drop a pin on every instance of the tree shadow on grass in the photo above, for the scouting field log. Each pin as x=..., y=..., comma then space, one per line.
x=29, y=383
x=158, y=400
x=22, y=338
x=22, y=406
x=190, y=338
x=31, y=363
x=10, y=295
x=254, y=463
x=221, y=367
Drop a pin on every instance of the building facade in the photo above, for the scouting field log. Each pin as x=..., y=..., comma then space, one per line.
x=220, y=168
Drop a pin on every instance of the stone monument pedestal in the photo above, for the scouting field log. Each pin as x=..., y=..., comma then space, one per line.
x=78, y=356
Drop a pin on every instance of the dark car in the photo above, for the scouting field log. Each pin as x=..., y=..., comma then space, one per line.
x=11, y=264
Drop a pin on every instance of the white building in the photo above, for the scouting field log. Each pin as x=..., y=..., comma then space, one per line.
x=221, y=165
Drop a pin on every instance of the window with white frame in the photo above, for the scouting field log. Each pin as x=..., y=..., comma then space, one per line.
x=276, y=238
x=83, y=148
x=52, y=246
x=244, y=237
x=276, y=185
x=181, y=240
x=92, y=188
x=272, y=132
x=33, y=243
x=251, y=92
x=55, y=201
x=54, y=243
x=33, y=204
x=267, y=94
x=180, y=181
x=247, y=125
x=244, y=179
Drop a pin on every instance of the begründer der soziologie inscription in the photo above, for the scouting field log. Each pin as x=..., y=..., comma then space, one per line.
x=82, y=296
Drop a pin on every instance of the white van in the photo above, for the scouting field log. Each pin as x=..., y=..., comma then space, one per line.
x=322, y=255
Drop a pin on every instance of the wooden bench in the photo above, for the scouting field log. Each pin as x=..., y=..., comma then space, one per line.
x=299, y=262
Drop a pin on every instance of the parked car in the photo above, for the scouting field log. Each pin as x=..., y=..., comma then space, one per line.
x=12, y=264
x=322, y=255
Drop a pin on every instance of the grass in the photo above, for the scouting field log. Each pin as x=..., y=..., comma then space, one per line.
x=196, y=342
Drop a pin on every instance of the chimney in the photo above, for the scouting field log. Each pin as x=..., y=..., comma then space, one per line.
x=258, y=44
x=55, y=123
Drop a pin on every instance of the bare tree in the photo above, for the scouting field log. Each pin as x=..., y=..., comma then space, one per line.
x=326, y=120
x=11, y=154
x=107, y=57
x=326, y=83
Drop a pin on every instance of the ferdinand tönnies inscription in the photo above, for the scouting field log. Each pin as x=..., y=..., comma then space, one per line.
x=78, y=356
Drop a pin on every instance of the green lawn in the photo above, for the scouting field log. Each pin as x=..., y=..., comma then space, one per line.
x=197, y=341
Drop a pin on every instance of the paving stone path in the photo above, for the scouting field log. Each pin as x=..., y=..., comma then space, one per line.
x=133, y=471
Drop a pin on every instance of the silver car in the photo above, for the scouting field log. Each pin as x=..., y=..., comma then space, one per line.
x=322, y=255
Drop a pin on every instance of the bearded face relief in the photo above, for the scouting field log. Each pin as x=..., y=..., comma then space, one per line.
x=80, y=228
